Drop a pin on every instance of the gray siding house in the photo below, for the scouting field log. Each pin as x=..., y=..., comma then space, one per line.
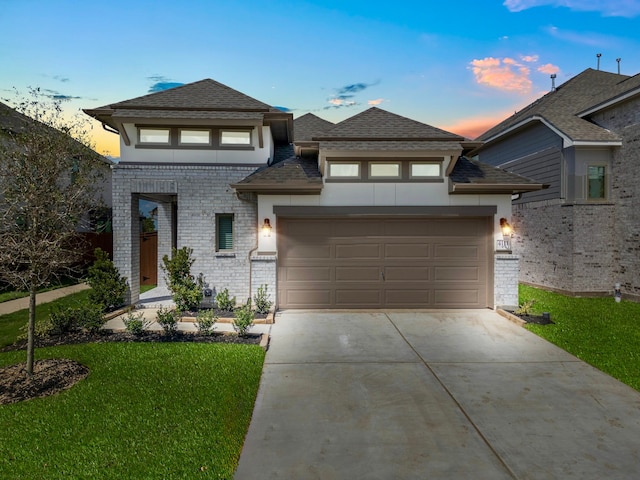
x=376, y=211
x=582, y=234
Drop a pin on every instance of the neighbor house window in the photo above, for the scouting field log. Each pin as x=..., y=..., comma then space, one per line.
x=425, y=170
x=155, y=135
x=235, y=137
x=224, y=232
x=596, y=182
x=195, y=137
x=384, y=170
x=344, y=170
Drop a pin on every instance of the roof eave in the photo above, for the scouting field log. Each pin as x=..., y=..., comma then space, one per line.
x=489, y=188
x=276, y=189
x=609, y=103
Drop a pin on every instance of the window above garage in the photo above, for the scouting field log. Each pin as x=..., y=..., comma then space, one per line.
x=384, y=170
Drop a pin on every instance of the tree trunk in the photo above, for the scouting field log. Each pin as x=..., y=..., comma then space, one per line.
x=31, y=328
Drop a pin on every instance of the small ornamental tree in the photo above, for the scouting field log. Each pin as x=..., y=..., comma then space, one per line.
x=49, y=181
x=186, y=290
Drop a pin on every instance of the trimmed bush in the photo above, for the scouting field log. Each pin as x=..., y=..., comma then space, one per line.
x=168, y=320
x=261, y=299
x=205, y=322
x=186, y=290
x=136, y=323
x=225, y=302
x=243, y=319
x=108, y=287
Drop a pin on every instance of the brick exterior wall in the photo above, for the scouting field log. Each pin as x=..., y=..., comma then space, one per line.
x=625, y=193
x=505, y=288
x=569, y=248
x=200, y=192
x=263, y=272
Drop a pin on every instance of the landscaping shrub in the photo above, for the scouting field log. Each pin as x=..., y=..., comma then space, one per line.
x=186, y=290
x=168, y=320
x=243, y=319
x=108, y=287
x=62, y=319
x=224, y=302
x=205, y=322
x=90, y=316
x=66, y=319
x=136, y=323
x=261, y=299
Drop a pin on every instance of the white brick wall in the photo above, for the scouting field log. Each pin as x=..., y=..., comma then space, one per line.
x=505, y=288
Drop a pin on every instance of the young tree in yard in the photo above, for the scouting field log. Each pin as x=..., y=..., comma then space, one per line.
x=48, y=183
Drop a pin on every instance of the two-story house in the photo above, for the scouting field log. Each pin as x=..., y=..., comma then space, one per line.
x=375, y=211
x=581, y=235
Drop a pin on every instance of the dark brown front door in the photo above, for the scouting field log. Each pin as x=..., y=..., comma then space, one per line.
x=149, y=258
x=384, y=262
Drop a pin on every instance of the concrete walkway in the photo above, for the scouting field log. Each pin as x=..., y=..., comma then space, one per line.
x=45, y=297
x=440, y=395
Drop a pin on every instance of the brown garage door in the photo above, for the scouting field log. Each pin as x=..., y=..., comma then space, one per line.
x=384, y=262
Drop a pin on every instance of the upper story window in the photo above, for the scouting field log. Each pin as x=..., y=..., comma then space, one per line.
x=344, y=170
x=195, y=137
x=425, y=170
x=596, y=182
x=384, y=170
x=157, y=136
x=235, y=137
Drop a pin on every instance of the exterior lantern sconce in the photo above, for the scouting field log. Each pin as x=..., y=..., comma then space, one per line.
x=507, y=231
x=504, y=245
x=266, y=228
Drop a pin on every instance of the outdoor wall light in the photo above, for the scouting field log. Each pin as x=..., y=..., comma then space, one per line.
x=266, y=228
x=506, y=228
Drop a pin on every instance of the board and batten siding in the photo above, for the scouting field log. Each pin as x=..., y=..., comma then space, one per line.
x=544, y=167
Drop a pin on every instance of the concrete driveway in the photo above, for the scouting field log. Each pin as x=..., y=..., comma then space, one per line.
x=446, y=394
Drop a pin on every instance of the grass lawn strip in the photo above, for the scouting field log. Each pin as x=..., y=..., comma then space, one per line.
x=156, y=410
x=599, y=331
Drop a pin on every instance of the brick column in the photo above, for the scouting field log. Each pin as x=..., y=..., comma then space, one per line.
x=165, y=229
x=505, y=288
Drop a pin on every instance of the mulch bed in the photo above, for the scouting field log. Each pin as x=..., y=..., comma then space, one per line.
x=54, y=375
x=538, y=319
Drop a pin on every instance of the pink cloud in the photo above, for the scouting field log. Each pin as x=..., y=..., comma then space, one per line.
x=548, y=69
x=529, y=58
x=503, y=74
x=473, y=127
x=377, y=101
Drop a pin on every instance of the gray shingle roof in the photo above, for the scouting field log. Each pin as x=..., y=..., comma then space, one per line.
x=561, y=108
x=377, y=124
x=308, y=125
x=205, y=94
x=390, y=145
x=293, y=175
x=471, y=176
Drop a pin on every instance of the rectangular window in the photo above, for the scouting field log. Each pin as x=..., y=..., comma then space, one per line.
x=224, y=232
x=195, y=137
x=235, y=137
x=344, y=170
x=425, y=170
x=154, y=135
x=596, y=182
x=384, y=170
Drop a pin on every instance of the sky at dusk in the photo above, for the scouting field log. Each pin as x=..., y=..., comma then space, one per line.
x=458, y=65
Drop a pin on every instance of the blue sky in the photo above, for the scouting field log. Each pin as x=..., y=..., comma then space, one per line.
x=458, y=65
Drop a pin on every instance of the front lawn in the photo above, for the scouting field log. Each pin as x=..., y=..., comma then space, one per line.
x=146, y=410
x=599, y=331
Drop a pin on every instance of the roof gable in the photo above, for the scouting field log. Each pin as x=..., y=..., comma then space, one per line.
x=308, y=125
x=205, y=94
x=560, y=109
x=376, y=124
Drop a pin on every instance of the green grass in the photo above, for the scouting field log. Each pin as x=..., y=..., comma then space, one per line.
x=599, y=331
x=10, y=324
x=155, y=410
x=146, y=288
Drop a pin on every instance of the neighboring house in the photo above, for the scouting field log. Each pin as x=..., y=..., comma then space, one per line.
x=96, y=223
x=582, y=234
x=376, y=211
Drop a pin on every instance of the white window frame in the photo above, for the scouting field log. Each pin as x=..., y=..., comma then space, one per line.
x=416, y=177
x=194, y=130
x=235, y=144
x=157, y=129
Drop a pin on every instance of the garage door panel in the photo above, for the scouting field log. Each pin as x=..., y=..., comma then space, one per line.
x=358, y=250
x=308, y=252
x=407, y=250
x=357, y=298
x=456, y=297
x=306, y=298
x=458, y=274
x=357, y=228
x=357, y=274
x=306, y=228
x=400, y=298
x=407, y=274
x=307, y=274
x=460, y=252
